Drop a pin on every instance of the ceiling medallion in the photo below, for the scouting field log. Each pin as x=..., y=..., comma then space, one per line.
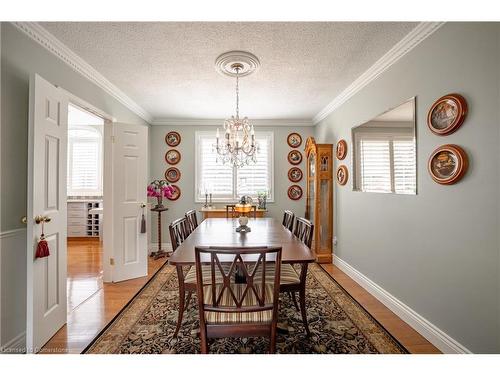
x=238, y=146
x=249, y=63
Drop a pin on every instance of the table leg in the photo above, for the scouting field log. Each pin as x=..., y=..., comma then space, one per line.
x=182, y=298
x=302, y=296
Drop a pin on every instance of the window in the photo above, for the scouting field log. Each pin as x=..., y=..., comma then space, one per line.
x=84, y=153
x=386, y=163
x=227, y=183
x=375, y=165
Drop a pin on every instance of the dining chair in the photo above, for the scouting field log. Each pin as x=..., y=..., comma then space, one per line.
x=292, y=280
x=231, y=211
x=238, y=309
x=304, y=230
x=179, y=231
x=254, y=210
x=288, y=217
x=192, y=220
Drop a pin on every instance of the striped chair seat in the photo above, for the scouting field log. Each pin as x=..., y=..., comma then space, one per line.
x=249, y=300
x=288, y=275
x=190, y=277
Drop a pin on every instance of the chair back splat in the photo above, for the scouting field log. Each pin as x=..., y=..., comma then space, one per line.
x=192, y=220
x=231, y=211
x=244, y=304
x=304, y=230
x=288, y=217
x=179, y=231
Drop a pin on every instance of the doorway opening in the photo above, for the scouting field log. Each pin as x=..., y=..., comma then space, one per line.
x=84, y=205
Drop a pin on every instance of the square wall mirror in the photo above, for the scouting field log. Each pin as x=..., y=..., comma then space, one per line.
x=385, y=152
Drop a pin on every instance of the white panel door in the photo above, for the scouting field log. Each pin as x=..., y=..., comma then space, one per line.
x=46, y=277
x=130, y=178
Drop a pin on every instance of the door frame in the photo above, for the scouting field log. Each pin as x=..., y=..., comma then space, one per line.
x=107, y=173
x=1, y=344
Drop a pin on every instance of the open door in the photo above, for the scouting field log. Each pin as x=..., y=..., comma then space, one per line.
x=46, y=277
x=125, y=248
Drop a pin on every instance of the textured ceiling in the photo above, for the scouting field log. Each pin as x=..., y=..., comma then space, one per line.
x=168, y=68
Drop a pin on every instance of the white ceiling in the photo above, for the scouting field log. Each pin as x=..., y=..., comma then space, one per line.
x=168, y=67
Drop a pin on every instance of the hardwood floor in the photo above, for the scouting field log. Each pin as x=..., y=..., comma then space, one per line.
x=92, y=304
x=84, y=270
x=407, y=336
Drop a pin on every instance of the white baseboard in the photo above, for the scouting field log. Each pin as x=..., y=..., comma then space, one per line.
x=437, y=337
x=15, y=346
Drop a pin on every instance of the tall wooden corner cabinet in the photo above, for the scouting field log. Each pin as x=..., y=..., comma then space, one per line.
x=319, y=203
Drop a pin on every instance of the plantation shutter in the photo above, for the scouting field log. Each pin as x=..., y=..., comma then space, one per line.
x=213, y=176
x=84, y=162
x=255, y=178
x=227, y=183
x=375, y=164
x=404, y=166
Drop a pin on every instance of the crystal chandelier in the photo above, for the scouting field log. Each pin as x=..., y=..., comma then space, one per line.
x=238, y=146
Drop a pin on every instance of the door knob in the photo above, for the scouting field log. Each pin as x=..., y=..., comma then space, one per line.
x=24, y=220
x=42, y=219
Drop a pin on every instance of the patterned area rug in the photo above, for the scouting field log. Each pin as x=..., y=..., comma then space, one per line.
x=337, y=322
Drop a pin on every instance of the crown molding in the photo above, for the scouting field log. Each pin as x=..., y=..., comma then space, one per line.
x=422, y=31
x=40, y=35
x=43, y=37
x=219, y=122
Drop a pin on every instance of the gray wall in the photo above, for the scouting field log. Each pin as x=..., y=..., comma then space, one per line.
x=187, y=167
x=438, y=251
x=21, y=57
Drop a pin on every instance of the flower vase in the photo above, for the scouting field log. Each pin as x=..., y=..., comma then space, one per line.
x=159, y=201
x=262, y=202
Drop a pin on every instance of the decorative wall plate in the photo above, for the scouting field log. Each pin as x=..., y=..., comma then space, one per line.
x=294, y=157
x=447, y=114
x=173, y=139
x=342, y=175
x=341, y=150
x=176, y=193
x=294, y=140
x=448, y=164
x=295, y=192
x=295, y=174
x=172, y=157
x=172, y=174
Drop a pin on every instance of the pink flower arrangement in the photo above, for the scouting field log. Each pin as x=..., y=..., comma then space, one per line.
x=159, y=189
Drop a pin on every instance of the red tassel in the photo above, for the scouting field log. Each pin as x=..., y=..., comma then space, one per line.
x=42, y=249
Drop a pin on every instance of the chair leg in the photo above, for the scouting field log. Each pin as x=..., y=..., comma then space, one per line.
x=203, y=341
x=272, y=344
x=302, y=298
x=294, y=299
x=181, y=313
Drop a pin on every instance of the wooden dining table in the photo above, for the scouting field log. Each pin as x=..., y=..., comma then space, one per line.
x=222, y=232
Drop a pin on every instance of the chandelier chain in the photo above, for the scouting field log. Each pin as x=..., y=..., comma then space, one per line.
x=238, y=146
x=237, y=92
